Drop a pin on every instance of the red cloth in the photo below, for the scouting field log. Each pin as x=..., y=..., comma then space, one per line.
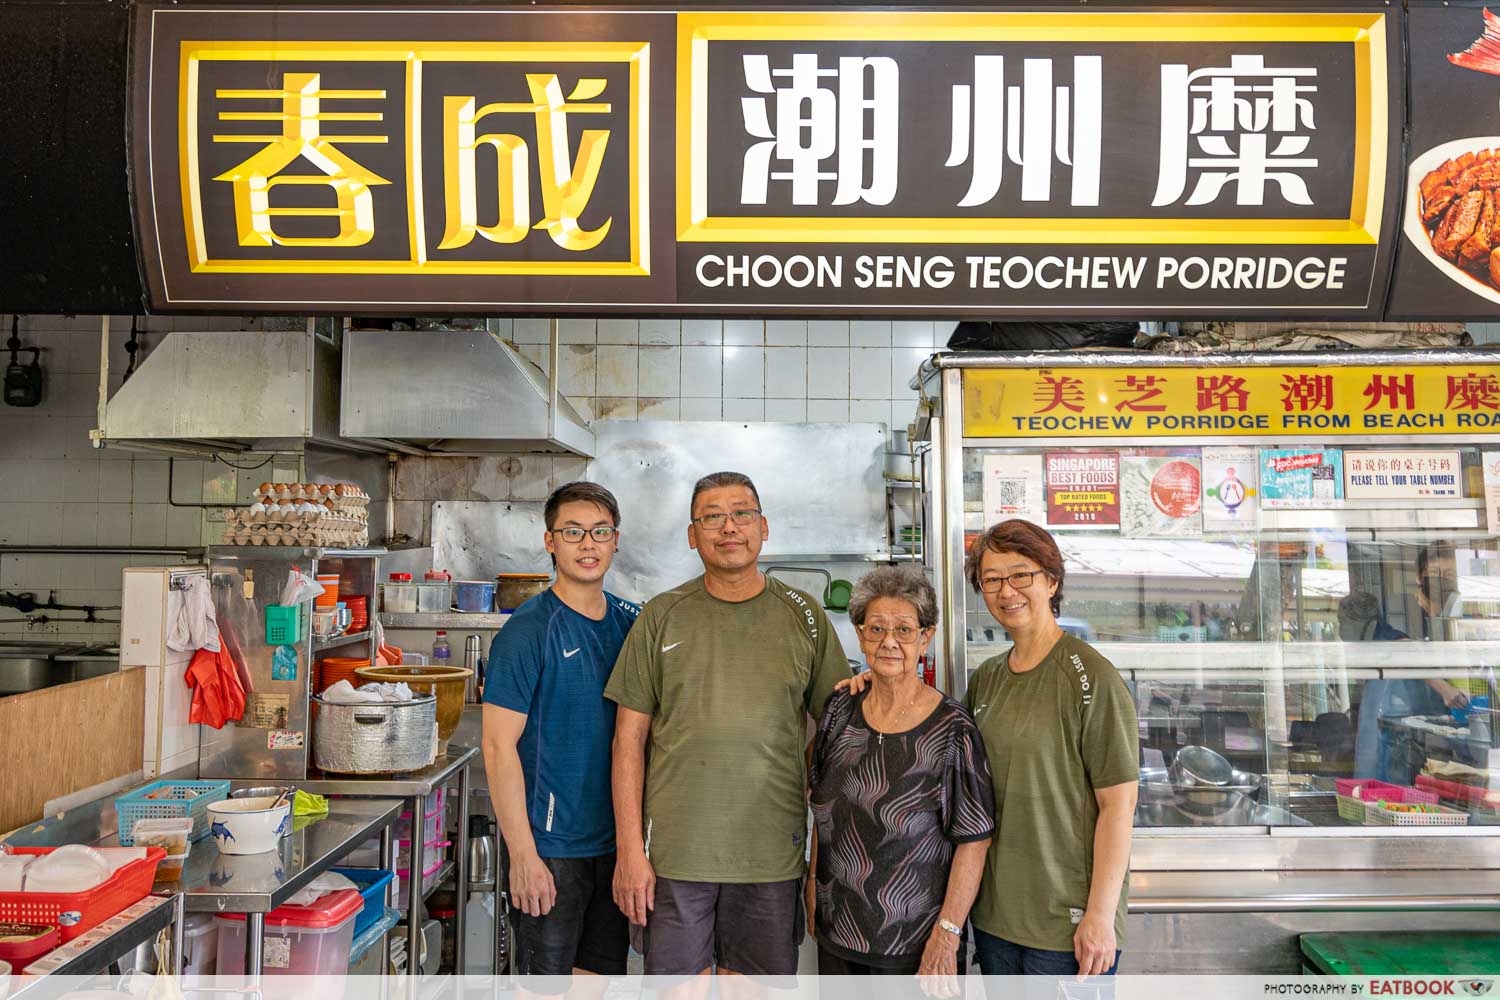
x=218, y=696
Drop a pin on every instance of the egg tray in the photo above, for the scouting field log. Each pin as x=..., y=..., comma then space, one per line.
x=308, y=519
x=348, y=493
x=331, y=535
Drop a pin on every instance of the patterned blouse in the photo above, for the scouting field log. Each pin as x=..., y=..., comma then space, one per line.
x=888, y=813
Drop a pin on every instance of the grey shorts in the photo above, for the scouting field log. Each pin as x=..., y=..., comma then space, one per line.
x=752, y=928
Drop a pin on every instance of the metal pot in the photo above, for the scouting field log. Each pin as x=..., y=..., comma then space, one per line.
x=1201, y=766
x=385, y=738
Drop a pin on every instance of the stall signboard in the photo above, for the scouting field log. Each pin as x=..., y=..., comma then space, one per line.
x=1448, y=262
x=1315, y=401
x=1125, y=162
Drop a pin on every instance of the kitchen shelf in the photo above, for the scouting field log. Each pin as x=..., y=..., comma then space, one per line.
x=289, y=552
x=450, y=620
x=331, y=642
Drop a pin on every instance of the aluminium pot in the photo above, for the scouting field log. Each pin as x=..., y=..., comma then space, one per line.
x=384, y=738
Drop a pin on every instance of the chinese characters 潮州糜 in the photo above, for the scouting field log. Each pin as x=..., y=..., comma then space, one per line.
x=1245, y=128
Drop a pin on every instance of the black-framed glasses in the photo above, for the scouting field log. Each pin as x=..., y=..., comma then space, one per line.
x=906, y=635
x=1018, y=581
x=601, y=533
x=715, y=522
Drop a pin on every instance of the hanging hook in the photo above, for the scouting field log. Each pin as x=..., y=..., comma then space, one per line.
x=131, y=346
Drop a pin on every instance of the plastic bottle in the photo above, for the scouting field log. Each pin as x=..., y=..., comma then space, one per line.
x=442, y=653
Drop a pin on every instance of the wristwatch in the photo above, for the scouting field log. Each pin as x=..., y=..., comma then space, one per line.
x=950, y=927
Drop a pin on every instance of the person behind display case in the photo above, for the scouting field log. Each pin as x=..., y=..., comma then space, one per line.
x=1059, y=728
x=1377, y=754
x=902, y=800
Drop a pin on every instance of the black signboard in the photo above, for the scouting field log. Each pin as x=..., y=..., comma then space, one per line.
x=1448, y=264
x=1111, y=163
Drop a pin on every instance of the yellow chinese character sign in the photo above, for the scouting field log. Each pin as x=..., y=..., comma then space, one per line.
x=1189, y=402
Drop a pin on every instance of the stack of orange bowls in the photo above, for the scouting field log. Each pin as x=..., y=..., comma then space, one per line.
x=359, y=612
x=332, y=669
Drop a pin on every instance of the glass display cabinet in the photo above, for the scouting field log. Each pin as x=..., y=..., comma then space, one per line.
x=1292, y=561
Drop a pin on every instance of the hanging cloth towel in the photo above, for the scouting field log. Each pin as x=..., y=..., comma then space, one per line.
x=217, y=695
x=195, y=626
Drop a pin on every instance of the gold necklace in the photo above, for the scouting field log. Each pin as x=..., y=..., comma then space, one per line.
x=880, y=736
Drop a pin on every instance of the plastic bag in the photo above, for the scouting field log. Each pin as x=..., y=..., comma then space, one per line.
x=299, y=587
x=1035, y=336
x=320, y=887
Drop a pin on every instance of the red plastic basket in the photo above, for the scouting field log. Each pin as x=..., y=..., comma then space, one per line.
x=72, y=913
x=1370, y=790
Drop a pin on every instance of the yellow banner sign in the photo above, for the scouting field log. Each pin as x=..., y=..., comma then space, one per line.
x=1259, y=401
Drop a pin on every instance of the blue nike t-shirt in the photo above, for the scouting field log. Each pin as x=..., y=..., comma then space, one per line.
x=551, y=663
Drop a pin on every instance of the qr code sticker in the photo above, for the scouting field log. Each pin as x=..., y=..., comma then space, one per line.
x=1012, y=494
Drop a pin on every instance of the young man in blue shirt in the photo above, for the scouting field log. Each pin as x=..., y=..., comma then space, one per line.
x=547, y=735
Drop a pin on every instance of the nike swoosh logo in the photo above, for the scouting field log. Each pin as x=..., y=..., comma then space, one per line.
x=674, y=645
x=569, y=652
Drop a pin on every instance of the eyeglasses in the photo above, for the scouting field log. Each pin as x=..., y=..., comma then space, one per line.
x=905, y=634
x=601, y=533
x=1018, y=581
x=715, y=522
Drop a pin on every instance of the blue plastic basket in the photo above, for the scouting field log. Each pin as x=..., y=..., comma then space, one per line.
x=372, y=883
x=186, y=798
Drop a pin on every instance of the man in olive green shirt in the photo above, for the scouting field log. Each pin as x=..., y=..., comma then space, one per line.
x=720, y=673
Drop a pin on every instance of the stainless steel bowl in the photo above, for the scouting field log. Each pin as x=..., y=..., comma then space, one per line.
x=258, y=792
x=1201, y=766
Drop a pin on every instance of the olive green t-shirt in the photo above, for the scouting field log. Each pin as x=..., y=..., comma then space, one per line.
x=1052, y=734
x=728, y=687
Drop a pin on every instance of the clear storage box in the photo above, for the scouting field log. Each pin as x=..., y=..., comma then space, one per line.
x=434, y=597
x=399, y=598
x=311, y=940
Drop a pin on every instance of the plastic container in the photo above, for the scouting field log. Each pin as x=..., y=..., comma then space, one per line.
x=330, y=595
x=282, y=624
x=373, y=883
x=72, y=913
x=175, y=836
x=299, y=940
x=433, y=851
x=200, y=945
x=168, y=800
x=399, y=598
x=434, y=597
x=432, y=828
x=474, y=596
x=35, y=941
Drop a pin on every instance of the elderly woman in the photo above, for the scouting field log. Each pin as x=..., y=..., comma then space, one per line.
x=1059, y=726
x=901, y=800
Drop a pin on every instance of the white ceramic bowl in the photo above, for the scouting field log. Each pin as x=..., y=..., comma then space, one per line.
x=248, y=826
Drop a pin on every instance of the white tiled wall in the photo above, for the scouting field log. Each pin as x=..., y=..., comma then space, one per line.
x=57, y=489
x=736, y=370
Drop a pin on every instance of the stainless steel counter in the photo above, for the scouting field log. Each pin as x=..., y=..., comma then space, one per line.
x=1312, y=891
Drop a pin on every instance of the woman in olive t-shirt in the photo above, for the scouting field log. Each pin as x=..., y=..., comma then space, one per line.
x=1059, y=729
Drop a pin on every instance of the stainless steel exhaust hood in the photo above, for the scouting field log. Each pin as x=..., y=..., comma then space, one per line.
x=218, y=391
x=453, y=392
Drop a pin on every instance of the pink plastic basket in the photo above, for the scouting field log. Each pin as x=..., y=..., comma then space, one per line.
x=1369, y=790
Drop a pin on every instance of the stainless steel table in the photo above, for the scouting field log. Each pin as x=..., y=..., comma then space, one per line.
x=255, y=884
x=415, y=787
